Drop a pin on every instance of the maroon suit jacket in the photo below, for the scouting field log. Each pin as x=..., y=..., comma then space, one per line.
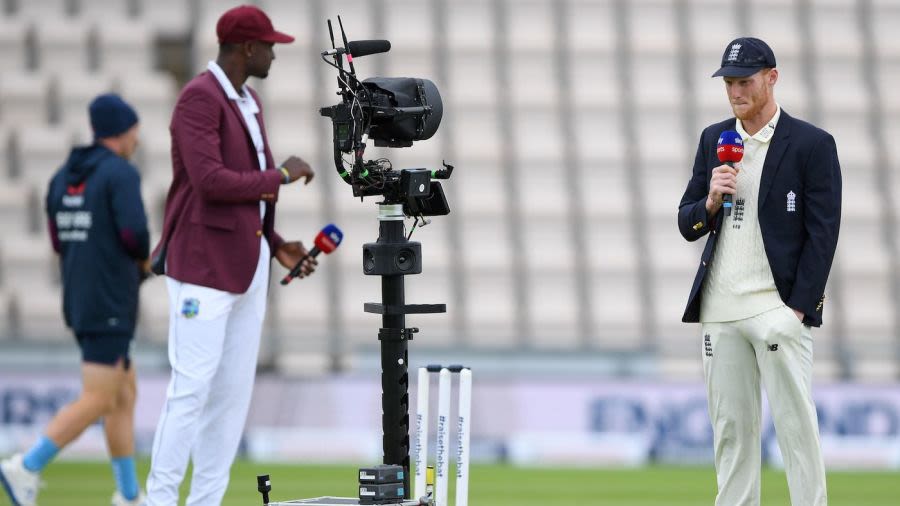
x=212, y=228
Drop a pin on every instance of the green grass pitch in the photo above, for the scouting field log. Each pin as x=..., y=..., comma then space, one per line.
x=82, y=484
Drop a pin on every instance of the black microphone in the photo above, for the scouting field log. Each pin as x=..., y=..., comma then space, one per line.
x=327, y=240
x=358, y=48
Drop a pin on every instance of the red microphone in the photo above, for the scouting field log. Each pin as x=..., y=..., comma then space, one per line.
x=328, y=239
x=730, y=150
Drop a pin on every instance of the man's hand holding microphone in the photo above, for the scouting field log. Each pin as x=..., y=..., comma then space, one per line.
x=723, y=183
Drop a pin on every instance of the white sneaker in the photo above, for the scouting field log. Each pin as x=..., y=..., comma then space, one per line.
x=21, y=484
x=119, y=500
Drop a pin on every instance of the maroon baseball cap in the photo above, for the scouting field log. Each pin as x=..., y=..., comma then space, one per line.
x=246, y=23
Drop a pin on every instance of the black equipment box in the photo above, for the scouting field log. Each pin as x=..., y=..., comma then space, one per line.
x=387, y=493
x=380, y=475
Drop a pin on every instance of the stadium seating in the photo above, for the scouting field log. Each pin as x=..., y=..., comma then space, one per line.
x=558, y=113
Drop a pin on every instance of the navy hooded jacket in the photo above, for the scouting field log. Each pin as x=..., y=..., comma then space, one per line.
x=98, y=226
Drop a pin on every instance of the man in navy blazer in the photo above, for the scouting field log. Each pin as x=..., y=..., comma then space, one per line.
x=761, y=281
x=217, y=243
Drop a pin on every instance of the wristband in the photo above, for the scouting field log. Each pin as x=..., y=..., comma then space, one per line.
x=286, y=176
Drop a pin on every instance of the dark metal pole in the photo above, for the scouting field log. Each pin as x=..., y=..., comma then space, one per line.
x=394, y=358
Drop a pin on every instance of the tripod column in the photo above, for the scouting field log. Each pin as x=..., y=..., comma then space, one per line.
x=394, y=348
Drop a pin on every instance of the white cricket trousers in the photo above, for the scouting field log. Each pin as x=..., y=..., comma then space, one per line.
x=213, y=357
x=774, y=347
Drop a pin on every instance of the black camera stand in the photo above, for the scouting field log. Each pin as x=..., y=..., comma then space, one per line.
x=392, y=257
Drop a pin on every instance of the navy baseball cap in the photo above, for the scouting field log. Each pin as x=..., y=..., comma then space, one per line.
x=744, y=57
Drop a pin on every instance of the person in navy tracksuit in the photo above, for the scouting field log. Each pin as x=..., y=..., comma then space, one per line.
x=761, y=281
x=98, y=226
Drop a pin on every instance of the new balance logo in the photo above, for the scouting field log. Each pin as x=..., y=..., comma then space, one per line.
x=773, y=347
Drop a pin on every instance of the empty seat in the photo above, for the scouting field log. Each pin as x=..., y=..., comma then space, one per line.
x=863, y=248
x=485, y=243
x=543, y=191
x=590, y=27
x=17, y=211
x=63, y=45
x=869, y=312
x=661, y=143
x=470, y=26
x=600, y=135
x=360, y=329
x=43, y=9
x=125, y=47
x=110, y=11
x=652, y=27
x=861, y=201
x=290, y=81
x=412, y=62
x=537, y=134
x=409, y=25
x=472, y=79
x=617, y=311
x=878, y=370
x=887, y=73
x=38, y=313
x=668, y=183
x=835, y=29
x=548, y=242
x=711, y=26
x=847, y=91
x=490, y=308
x=8, y=325
x=592, y=80
x=171, y=19
x=479, y=189
x=42, y=151
x=611, y=244
x=776, y=22
x=477, y=133
x=296, y=19
x=604, y=190
x=13, y=42
x=75, y=91
x=205, y=42
x=530, y=25
x=24, y=98
x=553, y=309
x=533, y=79
x=853, y=137
x=152, y=94
x=647, y=72
x=885, y=16
x=670, y=291
x=291, y=131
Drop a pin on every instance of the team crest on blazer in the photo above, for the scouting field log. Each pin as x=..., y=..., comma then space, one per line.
x=190, y=308
x=791, y=202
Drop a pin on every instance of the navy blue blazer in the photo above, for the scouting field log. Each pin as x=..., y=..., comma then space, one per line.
x=799, y=244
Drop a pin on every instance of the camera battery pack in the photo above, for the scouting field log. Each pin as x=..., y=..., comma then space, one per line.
x=380, y=475
x=385, y=493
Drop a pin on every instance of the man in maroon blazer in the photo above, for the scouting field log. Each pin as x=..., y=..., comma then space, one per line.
x=217, y=241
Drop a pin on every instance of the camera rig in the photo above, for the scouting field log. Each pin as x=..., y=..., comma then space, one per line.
x=390, y=112
x=394, y=113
